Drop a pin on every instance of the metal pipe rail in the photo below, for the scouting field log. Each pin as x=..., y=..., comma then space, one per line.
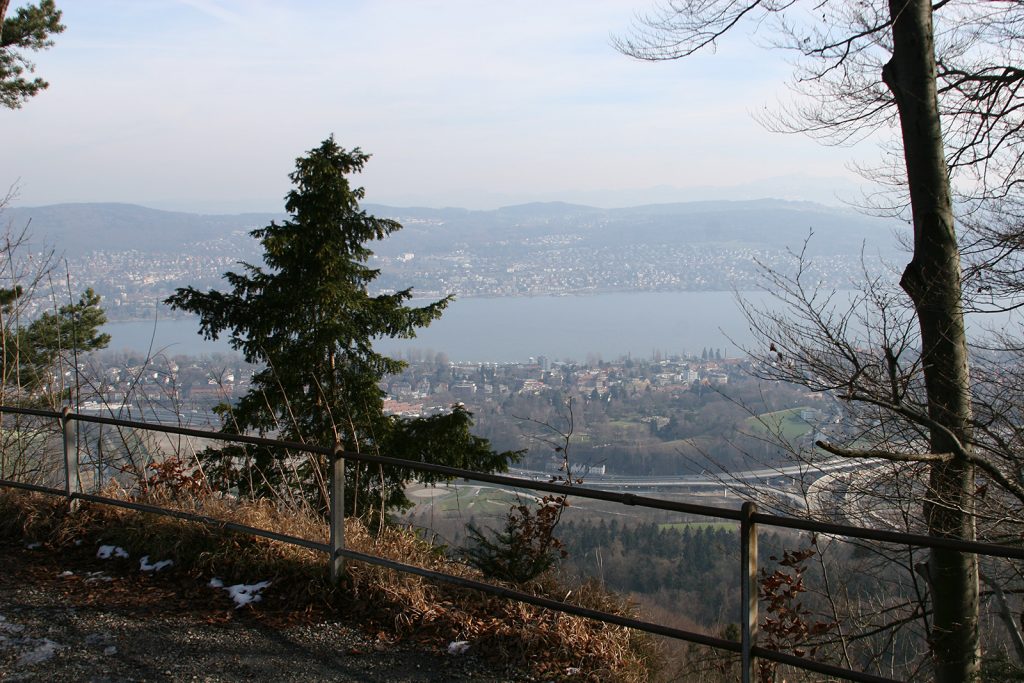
x=747, y=516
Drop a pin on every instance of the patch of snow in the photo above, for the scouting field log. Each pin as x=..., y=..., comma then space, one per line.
x=8, y=627
x=43, y=650
x=241, y=593
x=144, y=564
x=107, y=551
x=93, y=577
x=110, y=650
x=458, y=647
x=36, y=545
x=66, y=572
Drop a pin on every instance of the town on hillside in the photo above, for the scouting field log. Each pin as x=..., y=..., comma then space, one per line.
x=655, y=416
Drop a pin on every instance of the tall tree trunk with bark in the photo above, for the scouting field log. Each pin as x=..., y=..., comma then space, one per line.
x=933, y=282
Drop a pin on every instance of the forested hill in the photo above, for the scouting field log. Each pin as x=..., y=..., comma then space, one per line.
x=77, y=229
x=765, y=223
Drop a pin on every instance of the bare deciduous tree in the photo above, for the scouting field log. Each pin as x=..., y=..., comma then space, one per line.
x=941, y=80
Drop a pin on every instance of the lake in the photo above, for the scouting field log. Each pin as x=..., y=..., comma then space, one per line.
x=512, y=329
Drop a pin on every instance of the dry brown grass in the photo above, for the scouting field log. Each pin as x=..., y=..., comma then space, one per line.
x=393, y=604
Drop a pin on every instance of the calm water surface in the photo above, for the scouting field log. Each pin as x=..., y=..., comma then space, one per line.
x=512, y=329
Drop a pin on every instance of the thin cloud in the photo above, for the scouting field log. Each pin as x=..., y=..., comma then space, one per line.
x=214, y=9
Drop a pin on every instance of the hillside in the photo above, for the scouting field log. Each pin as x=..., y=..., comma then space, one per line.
x=77, y=229
x=70, y=611
x=135, y=256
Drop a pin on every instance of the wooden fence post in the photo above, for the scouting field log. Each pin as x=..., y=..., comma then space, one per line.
x=337, y=512
x=748, y=589
x=72, y=482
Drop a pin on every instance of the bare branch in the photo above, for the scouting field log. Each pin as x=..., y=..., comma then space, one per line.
x=884, y=455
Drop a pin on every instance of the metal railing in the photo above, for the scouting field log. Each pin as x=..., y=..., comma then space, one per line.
x=747, y=516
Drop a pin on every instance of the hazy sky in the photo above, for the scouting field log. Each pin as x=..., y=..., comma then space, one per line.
x=204, y=105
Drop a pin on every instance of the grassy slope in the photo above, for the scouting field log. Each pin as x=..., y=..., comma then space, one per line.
x=786, y=423
x=516, y=635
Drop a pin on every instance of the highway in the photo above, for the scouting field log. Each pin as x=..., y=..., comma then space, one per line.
x=777, y=482
x=765, y=477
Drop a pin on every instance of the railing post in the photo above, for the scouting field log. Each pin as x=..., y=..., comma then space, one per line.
x=72, y=483
x=748, y=589
x=337, y=512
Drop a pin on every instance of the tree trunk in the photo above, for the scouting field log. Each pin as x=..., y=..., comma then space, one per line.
x=932, y=280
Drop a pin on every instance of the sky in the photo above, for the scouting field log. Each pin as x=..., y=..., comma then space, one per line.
x=203, y=105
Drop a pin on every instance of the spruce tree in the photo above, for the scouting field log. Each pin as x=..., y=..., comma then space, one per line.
x=306, y=314
x=28, y=30
x=50, y=342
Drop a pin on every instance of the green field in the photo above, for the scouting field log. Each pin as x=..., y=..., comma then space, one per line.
x=481, y=502
x=788, y=423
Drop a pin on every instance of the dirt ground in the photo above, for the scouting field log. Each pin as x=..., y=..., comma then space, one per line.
x=66, y=615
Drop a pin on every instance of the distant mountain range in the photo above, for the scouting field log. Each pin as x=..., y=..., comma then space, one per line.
x=766, y=223
x=77, y=229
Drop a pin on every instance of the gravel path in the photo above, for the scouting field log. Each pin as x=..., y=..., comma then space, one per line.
x=65, y=618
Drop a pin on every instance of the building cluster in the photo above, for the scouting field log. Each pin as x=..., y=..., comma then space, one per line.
x=133, y=283
x=168, y=384
x=426, y=388
x=556, y=269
